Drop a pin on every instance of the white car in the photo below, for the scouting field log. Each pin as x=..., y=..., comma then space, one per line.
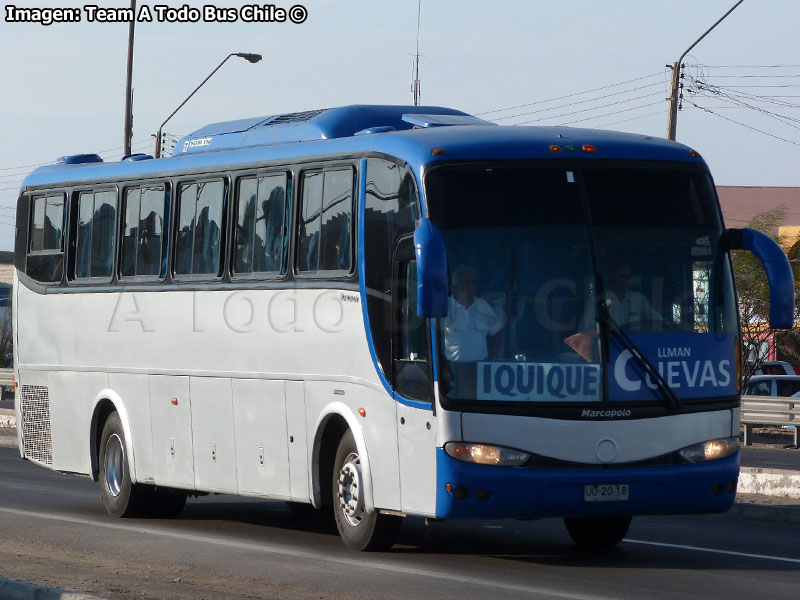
x=772, y=385
x=775, y=367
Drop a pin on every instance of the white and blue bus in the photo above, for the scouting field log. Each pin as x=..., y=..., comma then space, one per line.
x=386, y=311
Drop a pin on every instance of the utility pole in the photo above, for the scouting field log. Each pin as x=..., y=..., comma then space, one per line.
x=415, y=85
x=126, y=145
x=675, y=94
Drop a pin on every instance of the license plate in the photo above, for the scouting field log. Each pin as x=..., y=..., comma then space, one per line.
x=606, y=492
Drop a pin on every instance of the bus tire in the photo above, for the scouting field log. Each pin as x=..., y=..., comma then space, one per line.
x=121, y=497
x=597, y=532
x=358, y=529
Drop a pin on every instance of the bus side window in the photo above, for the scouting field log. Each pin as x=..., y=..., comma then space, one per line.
x=200, y=226
x=45, y=258
x=95, y=234
x=260, y=224
x=143, y=231
x=325, y=229
x=412, y=376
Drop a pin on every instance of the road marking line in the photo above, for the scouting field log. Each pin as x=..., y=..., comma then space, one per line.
x=714, y=551
x=275, y=549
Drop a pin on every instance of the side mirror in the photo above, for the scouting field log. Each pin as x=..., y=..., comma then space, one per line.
x=431, y=270
x=778, y=269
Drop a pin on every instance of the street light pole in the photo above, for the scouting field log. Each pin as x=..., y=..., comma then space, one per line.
x=252, y=58
x=674, y=97
x=128, y=90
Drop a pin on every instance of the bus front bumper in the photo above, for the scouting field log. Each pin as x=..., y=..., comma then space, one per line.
x=480, y=491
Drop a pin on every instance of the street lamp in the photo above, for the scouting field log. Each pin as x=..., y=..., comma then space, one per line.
x=672, y=124
x=253, y=58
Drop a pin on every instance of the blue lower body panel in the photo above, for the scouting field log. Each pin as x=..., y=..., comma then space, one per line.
x=480, y=491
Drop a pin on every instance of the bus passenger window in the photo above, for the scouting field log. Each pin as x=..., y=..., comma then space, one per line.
x=260, y=225
x=143, y=231
x=94, y=252
x=197, y=242
x=308, y=249
x=337, y=208
x=326, y=222
x=45, y=253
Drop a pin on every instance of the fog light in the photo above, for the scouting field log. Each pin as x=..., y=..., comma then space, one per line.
x=460, y=493
x=716, y=489
x=481, y=495
x=732, y=486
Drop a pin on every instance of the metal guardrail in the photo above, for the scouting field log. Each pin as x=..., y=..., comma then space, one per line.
x=769, y=410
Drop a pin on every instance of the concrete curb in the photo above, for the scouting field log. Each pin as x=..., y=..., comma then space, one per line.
x=769, y=482
x=8, y=418
x=18, y=590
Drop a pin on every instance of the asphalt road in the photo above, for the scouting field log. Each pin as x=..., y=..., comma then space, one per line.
x=54, y=531
x=771, y=458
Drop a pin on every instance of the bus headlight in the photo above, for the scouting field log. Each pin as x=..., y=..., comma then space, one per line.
x=711, y=450
x=486, y=454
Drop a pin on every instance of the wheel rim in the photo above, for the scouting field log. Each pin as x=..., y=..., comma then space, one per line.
x=114, y=465
x=351, y=500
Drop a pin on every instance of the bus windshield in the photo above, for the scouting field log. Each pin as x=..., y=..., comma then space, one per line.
x=537, y=254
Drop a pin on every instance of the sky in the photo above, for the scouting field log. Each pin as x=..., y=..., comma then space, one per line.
x=586, y=63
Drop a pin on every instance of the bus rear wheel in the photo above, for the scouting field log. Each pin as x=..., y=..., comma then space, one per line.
x=359, y=529
x=597, y=532
x=121, y=497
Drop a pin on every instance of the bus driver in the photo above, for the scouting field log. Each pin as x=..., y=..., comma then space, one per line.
x=470, y=321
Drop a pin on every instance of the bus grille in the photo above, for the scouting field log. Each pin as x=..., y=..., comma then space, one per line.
x=36, y=440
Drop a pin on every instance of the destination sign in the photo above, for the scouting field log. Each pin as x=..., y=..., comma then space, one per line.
x=694, y=365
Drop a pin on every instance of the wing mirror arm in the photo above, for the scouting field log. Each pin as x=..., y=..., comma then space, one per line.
x=777, y=267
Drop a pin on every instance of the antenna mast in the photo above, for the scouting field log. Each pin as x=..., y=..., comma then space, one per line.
x=415, y=84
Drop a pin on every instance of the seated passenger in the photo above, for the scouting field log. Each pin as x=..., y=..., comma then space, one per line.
x=625, y=306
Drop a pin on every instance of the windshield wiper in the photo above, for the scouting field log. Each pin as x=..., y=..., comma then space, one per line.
x=613, y=327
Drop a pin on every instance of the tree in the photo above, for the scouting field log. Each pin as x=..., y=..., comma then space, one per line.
x=758, y=340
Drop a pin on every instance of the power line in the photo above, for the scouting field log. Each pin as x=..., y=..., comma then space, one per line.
x=793, y=85
x=742, y=124
x=612, y=113
x=577, y=102
x=605, y=87
x=795, y=76
x=626, y=120
x=777, y=116
x=575, y=112
x=750, y=66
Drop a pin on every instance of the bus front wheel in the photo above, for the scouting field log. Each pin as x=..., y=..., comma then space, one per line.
x=121, y=497
x=597, y=532
x=359, y=529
